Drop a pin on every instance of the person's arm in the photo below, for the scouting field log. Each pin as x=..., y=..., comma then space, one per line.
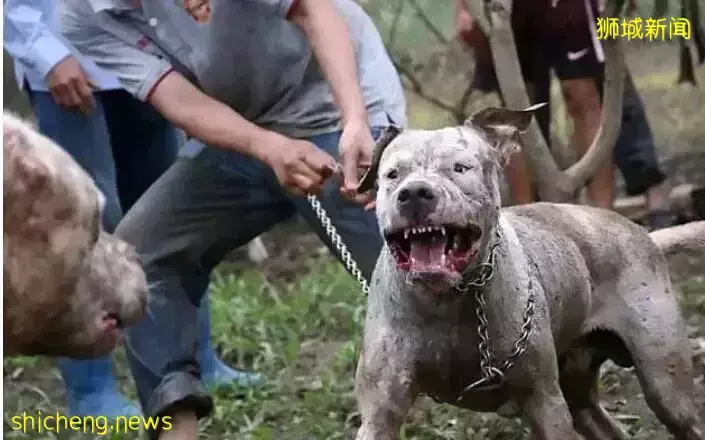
x=152, y=79
x=31, y=42
x=27, y=38
x=185, y=105
x=330, y=39
x=299, y=165
x=331, y=42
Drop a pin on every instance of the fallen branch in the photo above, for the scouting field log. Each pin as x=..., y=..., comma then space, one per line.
x=636, y=208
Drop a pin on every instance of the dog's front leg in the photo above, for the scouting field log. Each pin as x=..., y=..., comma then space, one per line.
x=384, y=394
x=547, y=413
x=540, y=397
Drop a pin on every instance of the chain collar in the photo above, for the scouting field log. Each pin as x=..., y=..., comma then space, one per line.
x=493, y=377
x=482, y=273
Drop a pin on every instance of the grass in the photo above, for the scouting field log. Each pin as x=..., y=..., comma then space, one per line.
x=305, y=339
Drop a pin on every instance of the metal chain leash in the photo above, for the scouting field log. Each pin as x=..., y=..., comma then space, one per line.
x=340, y=247
x=485, y=271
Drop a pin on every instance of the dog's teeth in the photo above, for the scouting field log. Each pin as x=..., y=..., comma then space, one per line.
x=406, y=234
x=443, y=230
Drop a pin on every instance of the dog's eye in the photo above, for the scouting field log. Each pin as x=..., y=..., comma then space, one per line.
x=392, y=174
x=460, y=168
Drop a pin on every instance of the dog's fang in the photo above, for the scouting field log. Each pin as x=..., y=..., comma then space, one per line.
x=443, y=230
x=406, y=234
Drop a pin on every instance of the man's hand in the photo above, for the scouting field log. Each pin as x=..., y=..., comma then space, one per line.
x=356, y=145
x=69, y=86
x=299, y=165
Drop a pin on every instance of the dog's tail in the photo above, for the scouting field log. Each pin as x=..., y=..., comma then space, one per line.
x=681, y=239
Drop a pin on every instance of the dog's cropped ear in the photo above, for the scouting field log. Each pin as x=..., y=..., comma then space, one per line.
x=370, y=178
x=502, y=127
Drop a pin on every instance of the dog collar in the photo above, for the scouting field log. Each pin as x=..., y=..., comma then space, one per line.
x=480, y=275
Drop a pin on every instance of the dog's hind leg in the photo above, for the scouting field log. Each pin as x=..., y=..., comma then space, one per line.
x=655, y=336
x=580, y=369
x=668, y=387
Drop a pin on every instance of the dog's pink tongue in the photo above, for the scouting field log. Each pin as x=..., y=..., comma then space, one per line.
x=427, y=254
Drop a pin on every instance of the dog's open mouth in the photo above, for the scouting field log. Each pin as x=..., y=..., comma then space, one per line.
x=434, y=250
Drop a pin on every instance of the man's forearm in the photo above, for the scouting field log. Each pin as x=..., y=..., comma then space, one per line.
x=207, y=119
x=331, y=42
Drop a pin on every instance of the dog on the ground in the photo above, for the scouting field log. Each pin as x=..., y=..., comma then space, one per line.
x=68, y=286
x=514, y=309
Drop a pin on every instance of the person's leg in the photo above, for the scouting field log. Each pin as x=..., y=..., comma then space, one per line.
x=518, y=173
x=537, y=78
x=144, y=146
x=91, y=387
x=205, y=205
x=583, y=104
x=635, y=156
x=577, y=61
x=214, y=372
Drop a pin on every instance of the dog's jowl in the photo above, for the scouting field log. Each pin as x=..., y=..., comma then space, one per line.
x=512, y=309
x=68, y=286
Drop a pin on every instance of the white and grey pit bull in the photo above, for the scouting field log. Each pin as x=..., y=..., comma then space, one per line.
x=463, y=287
x=68, y=286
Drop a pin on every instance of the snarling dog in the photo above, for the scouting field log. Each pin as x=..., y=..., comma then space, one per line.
x=69, y=286
x=512, y=309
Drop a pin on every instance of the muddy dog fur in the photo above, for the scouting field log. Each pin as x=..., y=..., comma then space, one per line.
x=68, y=286
x=600, y=286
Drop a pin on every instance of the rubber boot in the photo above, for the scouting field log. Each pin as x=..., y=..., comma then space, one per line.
x=92, y=389
x=214, y=372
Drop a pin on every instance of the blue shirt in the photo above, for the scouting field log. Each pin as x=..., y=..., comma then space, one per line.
x=31, y=39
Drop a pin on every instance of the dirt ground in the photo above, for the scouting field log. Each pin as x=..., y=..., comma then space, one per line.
x=676, y=114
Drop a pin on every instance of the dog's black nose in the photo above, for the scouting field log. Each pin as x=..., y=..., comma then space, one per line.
x=416, y=200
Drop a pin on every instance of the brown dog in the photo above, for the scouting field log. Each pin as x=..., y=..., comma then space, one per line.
x=68, y=285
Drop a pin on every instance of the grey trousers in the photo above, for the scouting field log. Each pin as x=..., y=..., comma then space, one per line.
x=205, y=205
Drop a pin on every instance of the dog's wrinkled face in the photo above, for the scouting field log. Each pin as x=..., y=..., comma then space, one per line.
x=111, y=293
x=438, y=195
x=68, y=286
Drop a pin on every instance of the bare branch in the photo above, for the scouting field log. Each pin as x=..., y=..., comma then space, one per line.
x=427, y=22
x=461, y=115
x=418, y=89
x=395, y=23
